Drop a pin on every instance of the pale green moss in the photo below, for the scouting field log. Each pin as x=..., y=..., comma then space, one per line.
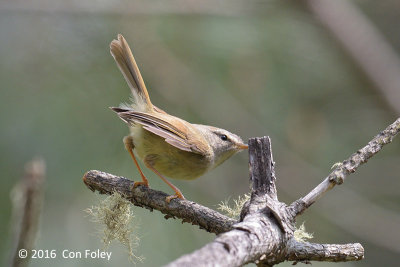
x=116, y=219
x=301, y=235
x=234, y=212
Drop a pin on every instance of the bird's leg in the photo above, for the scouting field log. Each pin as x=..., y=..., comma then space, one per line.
x=128, y=142
x=178, y=193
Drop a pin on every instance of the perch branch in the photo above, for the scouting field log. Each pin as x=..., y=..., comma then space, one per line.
x=28, y=198
x=188, y=211
x=347, y=167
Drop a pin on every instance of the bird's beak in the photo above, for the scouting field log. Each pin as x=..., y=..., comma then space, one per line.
x=242, y=146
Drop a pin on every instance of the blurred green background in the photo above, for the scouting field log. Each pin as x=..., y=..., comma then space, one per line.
x=252, y=67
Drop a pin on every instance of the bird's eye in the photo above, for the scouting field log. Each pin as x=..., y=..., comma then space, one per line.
x=224, y=137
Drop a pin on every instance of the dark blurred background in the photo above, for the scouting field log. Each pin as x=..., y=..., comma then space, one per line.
x=320, y=78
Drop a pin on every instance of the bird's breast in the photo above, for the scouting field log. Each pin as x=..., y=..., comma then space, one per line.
x=167, y=159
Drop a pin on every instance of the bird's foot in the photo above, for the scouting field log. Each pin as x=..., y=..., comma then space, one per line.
x=177, y=195
x=136, y=184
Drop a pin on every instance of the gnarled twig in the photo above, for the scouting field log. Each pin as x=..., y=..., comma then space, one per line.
x=348, y=166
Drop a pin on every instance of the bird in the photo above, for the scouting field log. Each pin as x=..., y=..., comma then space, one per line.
x=167, y=145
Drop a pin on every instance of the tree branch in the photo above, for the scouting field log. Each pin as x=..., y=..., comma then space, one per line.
x=28, y=198
x=265, y=233
x=347, y=167
x=141, y=196
x=262, y=177
x=304, y=251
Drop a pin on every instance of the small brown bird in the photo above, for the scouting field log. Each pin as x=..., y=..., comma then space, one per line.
x=167, y=145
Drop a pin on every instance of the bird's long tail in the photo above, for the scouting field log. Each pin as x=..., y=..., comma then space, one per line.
x=126, y=63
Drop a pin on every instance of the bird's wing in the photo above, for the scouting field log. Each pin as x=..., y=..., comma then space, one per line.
x=172, y=135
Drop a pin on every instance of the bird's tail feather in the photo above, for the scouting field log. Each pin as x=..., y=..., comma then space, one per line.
x=126, y=63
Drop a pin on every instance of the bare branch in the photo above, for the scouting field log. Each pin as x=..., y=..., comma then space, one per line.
x=28, y=198
x=299, y=251
x=261, y=164
x=188, y=211
x=347, y=167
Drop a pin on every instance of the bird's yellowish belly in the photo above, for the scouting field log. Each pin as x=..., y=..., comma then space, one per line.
x=167, y=159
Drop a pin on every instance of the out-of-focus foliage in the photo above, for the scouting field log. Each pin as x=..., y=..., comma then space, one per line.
x=253, y=67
